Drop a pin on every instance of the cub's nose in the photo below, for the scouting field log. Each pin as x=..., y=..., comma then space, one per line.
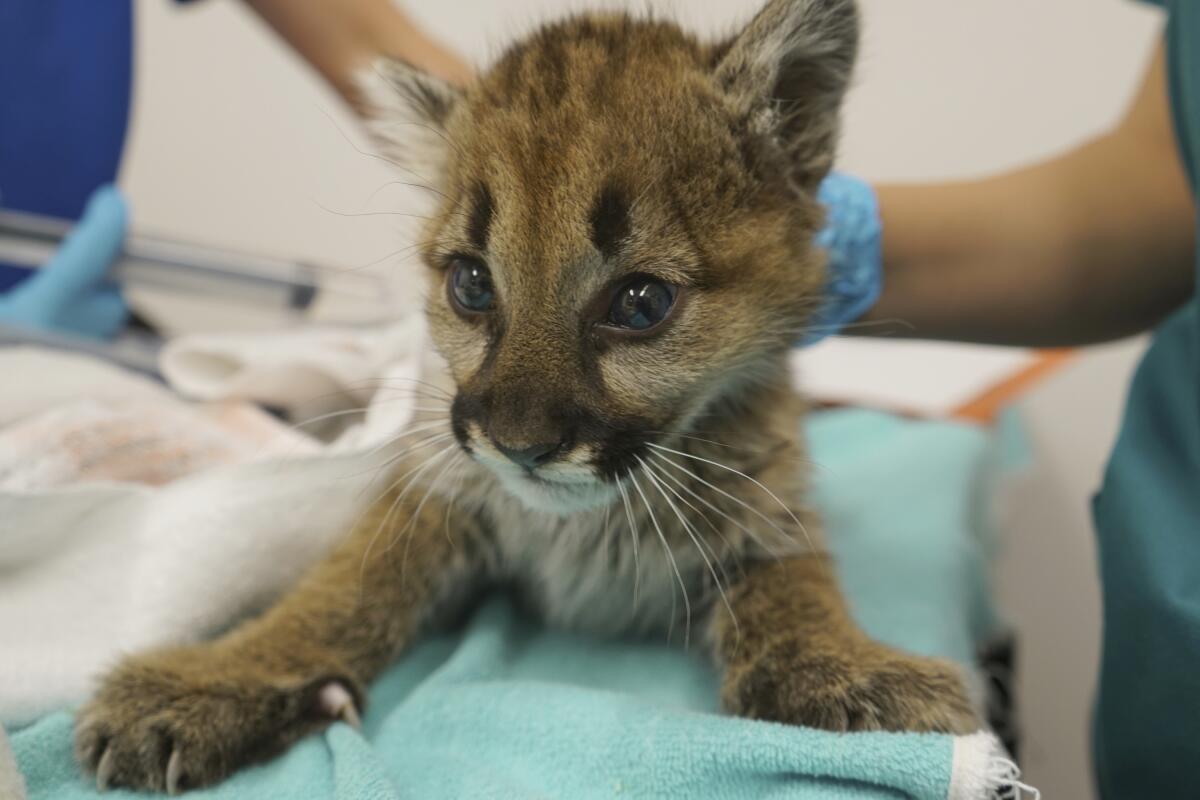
x=533, y=456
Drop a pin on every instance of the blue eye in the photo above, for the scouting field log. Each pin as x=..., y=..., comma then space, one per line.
x=641, y=304
x=471, y=286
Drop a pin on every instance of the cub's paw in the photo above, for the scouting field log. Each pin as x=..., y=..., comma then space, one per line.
x=182, y=719
x=869, y=690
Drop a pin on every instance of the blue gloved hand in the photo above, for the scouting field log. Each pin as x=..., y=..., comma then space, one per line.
x=73, y=293
x=853, y=236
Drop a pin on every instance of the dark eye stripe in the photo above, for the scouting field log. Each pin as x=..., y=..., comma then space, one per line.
x=610, y=221
x=479, y=225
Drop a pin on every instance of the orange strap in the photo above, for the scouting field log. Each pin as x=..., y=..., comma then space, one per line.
x=986, y=406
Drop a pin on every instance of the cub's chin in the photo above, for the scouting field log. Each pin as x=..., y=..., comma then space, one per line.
x=561, y=498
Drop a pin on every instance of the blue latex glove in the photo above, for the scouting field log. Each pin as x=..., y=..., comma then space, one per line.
x=73, y=293
x=853, y=235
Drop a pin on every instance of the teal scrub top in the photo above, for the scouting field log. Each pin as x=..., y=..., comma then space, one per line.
x=1146, y=733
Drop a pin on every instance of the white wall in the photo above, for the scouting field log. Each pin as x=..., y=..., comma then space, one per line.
x=234, y=143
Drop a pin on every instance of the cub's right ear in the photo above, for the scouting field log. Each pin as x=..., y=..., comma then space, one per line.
x=787, y=72
x=406, y=111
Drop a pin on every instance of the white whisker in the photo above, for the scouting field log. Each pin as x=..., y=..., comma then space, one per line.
x=687, y=603
x=782, y=533
x=426, y=385
x=729, y=548
x=392, y=459
x=733, y=447
x=409, y=430
x=429, y=490
x=748, y=531
x=408, y=532
x=380, y=470
x=757, y=483
x=381, y=385
x=606, y=534
x=331, y=415
x=424, y=467
x=696, y=540
x=394, y=505
x=457, y=487
x=633, y=532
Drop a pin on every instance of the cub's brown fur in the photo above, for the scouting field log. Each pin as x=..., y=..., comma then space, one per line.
x=626, y=477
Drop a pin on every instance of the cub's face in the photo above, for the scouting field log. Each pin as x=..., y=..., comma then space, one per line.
x=626, y=232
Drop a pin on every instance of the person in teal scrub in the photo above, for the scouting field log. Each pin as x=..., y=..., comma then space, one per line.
x=1094, y=245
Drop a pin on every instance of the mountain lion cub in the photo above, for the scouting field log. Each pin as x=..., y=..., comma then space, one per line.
x=620, y=263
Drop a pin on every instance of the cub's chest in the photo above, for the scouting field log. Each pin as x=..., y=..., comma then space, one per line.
x=594, y=572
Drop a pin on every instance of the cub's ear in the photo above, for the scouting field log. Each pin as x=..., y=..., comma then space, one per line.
x=787, y=72
x=406, y=112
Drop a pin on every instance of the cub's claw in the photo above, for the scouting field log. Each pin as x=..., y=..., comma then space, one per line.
x=174, y=771
x=336, y=702
x=104, y=770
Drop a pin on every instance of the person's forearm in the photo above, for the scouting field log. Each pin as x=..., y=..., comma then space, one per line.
x=1069, y=252
x=342, y=38
x=1094, y=245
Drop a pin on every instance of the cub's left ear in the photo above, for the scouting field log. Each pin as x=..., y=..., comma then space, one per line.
x=406, y=111
x=788, y=72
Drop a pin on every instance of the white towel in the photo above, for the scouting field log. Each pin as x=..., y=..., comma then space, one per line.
x=98, y=569
x=307, y=371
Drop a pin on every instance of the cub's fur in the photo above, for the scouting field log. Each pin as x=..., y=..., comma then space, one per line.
x=625, y=478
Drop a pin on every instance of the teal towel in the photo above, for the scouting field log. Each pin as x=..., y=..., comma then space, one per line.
x=505, y=709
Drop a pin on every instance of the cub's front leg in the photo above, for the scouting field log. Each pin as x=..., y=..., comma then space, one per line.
x=795, y=656
x=189, y=716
